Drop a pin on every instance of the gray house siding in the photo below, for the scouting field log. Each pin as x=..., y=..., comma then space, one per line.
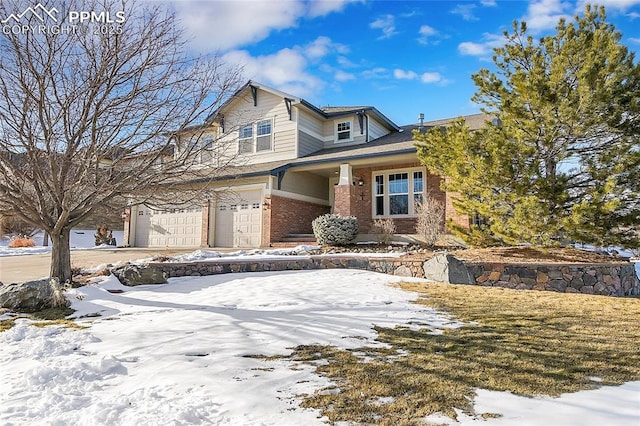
x=308, y=144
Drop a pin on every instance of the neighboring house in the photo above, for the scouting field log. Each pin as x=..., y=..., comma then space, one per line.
x=299, y=162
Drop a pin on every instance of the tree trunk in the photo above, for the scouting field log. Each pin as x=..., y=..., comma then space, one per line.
x=61, y=255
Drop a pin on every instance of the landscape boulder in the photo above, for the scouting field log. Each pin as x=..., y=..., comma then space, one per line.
x=133, y=275
x=445, y=268
x=32, y=296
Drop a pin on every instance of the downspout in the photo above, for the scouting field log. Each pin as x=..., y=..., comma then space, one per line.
x=366, y=117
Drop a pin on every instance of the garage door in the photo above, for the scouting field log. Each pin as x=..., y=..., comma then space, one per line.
x=172, y=228
x=239, y=223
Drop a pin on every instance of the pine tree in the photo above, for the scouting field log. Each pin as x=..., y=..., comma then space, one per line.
x=559, y=156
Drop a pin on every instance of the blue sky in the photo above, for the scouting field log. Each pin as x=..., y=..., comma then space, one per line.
x=403, y=57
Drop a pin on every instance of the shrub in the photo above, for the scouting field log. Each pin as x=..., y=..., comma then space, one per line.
x=430, y=223
x=384, y=228
x=21, y=241
x=333, y=229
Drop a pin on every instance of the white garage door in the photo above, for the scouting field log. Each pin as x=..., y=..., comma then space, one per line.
x=173, y=228
x=239, y=223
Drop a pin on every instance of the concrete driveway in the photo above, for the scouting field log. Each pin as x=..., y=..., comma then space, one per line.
x=34, y=266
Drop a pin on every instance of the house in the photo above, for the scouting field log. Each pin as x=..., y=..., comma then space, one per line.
x=298, y=162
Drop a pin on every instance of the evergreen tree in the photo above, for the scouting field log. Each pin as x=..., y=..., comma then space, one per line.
x=559, y=156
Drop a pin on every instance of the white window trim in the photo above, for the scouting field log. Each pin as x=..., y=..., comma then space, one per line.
x=335, y=128
x=410, y=195
x=254, y=138
x=271, y=138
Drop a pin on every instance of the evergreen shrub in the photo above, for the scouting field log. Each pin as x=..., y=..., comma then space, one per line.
x=336, y=230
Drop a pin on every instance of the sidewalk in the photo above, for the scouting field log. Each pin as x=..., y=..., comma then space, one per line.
x=35, y=266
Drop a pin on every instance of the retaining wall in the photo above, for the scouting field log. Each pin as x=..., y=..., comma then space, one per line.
x=612, y=279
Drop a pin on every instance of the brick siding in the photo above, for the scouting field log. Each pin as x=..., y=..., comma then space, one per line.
x=288, y=216
x=364, y=198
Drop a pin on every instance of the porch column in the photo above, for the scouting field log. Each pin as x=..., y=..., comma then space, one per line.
x=204, y=236
x=126, y=217
x=345, y=192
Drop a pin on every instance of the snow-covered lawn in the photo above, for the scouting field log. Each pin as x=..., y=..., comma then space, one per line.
x=177, y=354
x=78, y=239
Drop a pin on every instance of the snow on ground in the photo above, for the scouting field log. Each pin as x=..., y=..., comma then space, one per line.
x=78, y=240
x=294, y=253
x=178, y=354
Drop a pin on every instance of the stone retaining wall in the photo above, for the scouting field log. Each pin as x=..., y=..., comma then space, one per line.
x=611, y=279
x=616, y=279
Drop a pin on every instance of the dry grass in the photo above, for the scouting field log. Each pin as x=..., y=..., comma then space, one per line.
x=6, y=324
x=529, y=343
x=44, y=318
x=66, y=323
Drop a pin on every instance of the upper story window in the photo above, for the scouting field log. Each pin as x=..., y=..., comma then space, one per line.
x=207, y=143
x=343, y=131
x=245, y=139
x=263, y=140
x=397, y=192
x=206, y=154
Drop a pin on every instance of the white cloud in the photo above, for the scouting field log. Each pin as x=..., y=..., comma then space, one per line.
x=285, y=70
x=404, y=75
x=431, y=77
x=375, y=73
x=488, y=3
x=427, y=77
x=325, y=7
x=622, y=5
x=426, y=32
x=473, y=49
x=466, y=11
x=322, y=46
x=345, y=62
x=545, y=14
x=290, y=69
x=634, y=40
x=225, y=24
x=483, y=48
x=343, y=76
x=386, y=24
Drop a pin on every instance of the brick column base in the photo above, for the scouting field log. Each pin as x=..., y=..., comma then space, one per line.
x=345, y=200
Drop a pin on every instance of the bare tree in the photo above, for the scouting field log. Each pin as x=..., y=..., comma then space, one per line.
x=430, y=223
x=87, y=115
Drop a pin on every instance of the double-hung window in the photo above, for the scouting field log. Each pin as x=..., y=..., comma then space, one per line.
x=343, y=131
x=256, y=137
x=397, y=192
x=206, y=154
x=245, y=139
x=263, y=140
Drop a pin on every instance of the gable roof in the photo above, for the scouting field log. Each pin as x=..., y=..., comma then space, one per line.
x=326, y=112
x=400, y=142
x=395, y=143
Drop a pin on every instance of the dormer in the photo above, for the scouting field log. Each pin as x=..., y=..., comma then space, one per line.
x=354, y=125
